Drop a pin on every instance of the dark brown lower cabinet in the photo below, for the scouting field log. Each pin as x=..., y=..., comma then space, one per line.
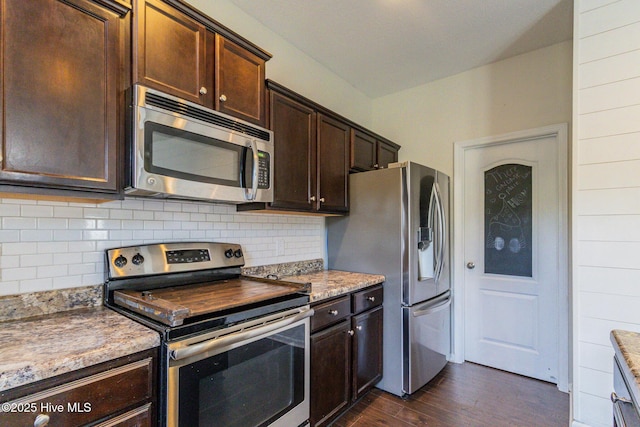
x=330, y=372
x=367, y=357
x=346, y=352
x=119, y=393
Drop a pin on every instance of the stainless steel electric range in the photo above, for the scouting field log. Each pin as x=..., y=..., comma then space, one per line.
x=235, y=349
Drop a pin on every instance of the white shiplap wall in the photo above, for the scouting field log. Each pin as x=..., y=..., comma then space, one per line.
x=606, y=191
x=52, y=245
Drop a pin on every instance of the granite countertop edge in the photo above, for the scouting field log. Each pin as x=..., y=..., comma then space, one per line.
x=626, y=345
x=327, y=284
x=32, y=349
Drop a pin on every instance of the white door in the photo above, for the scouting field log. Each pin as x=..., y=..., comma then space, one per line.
x=512, y=225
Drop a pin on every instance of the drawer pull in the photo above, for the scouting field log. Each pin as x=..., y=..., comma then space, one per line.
x=372, y=299
x=333, y=312
x=359, y=327
x=41, y=420
x=350, y=332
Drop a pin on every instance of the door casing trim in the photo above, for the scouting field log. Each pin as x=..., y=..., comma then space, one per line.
x=560, y=133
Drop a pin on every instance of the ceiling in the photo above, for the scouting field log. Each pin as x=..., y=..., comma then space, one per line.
x=385, y=46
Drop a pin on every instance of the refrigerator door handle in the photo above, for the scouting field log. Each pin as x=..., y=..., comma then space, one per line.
x=430, y=308
x=441, y=232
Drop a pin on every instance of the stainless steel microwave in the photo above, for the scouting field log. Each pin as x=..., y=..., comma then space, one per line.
x=178, y=149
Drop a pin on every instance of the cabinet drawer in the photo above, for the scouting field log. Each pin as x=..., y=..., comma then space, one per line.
x=367, y=298
x=87, y=399
x=330, y=312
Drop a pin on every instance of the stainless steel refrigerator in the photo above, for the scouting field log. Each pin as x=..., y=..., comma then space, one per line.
x=398, y=226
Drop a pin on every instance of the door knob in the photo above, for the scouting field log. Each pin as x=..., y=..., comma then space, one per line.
x=471, y=265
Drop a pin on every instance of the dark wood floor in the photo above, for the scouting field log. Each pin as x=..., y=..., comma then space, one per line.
x=465, y=395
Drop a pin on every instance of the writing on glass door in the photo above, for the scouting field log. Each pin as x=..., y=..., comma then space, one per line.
x=508, y=220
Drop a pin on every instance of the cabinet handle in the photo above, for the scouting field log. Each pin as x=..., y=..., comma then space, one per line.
x=203, y=90
x=350, y=332
x=359, y=327
x=321, y=199
x=312, y=198
x=333, y=312
x=377, y=166
x=41, y=420
x=372, y=299
x=223, y=97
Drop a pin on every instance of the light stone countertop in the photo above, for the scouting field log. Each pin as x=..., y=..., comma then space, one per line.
x=330, y=283
x=627, y=347
x=41, y=347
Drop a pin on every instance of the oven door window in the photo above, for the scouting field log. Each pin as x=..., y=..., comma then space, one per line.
x=251, y=385
x=185, y=155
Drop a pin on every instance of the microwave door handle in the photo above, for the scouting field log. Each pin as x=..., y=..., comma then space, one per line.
x=251, y=194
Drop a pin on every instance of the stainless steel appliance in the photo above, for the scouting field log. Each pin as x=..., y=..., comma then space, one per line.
x=235, y=349
x=626, y=411
x=179, y=149
x=398, y=226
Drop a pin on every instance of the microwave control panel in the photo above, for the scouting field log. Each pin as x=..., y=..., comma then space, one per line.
x=264, y=171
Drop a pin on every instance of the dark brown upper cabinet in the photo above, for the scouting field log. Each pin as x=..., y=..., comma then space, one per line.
x=62, y=85
x=333, y=161
x=294, y=128
x=311, y=156
x=187, y=58
x=369, y=152
x=239, y=82
x=171, y=52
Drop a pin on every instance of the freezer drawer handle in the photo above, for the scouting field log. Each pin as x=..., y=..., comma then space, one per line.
x=432, y=309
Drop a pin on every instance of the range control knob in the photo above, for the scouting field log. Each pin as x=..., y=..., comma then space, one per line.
x=120, y=261
x=137, y=259
x=237, y=253
x=228, y=253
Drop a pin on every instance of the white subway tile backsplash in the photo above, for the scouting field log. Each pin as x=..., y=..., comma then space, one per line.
x=36, y=260
x=20, y=273
x=96, y=213
x=39, y=211
x=46, y=245
x=67, y=212
x=35, y=285
x=19, y=248
x=16, y=223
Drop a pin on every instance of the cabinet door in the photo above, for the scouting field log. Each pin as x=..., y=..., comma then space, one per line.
x=386, y=154
x=333, y=164
x=170, y=52
x=330, y=373
x=363, y=151
x=367, y=350
x=239, y=82
x=294, y=129
x=91, y=398
x=60, y=87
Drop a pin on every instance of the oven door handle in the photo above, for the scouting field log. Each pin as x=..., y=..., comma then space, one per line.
x=216, y=343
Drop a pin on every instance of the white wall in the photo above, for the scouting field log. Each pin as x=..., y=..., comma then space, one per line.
x=606, y=192
x=527, y=91
x=53, y=245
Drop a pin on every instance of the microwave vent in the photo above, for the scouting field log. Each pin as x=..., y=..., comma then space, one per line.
x=206, y=116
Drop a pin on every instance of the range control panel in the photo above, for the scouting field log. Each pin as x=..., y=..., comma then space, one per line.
x=162, y=258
